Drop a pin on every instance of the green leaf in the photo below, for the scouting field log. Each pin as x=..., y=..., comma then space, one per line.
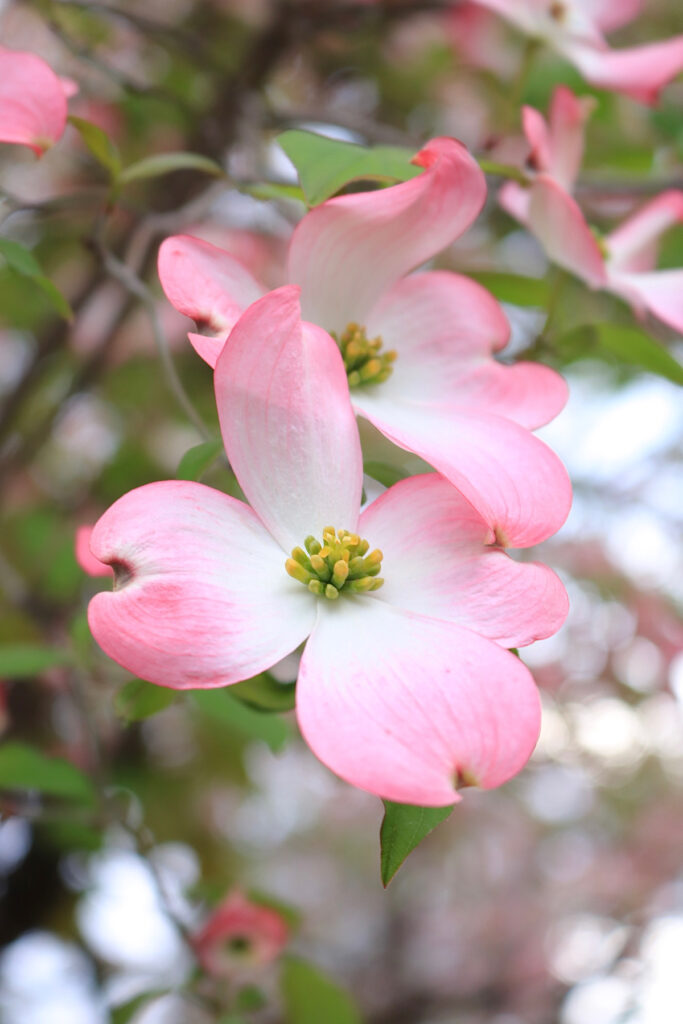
x=197, y=460
x=99, y=145
x=514, y=288
x=25, y=767
x=22, y=260
x=163, y=163
x=403, y=828
x=631, y=345
x=311, y=997
x=125, y=1012
x=384, y=473
x=273, y=190
x=325, y=165
x=21, y=661
x=265, y=693
x=138, y=699
x=225, y=710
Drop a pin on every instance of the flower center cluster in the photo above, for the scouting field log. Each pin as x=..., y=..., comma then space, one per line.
x=558, y=10
x=340, y=563
x=364, y=360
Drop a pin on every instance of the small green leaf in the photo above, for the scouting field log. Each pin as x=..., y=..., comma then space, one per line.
x=138, y=699
x=21, y=661
x=514, y=288
x=164, y=163
x=197, y=460
x=23, y=262
x=265, y=693
x=25, y=767
x=125, y=1012
x=384, y=473
x=311, y=997
x=325, y=165
x=273, y=190
x=99, y=145
x=403, y=828
x=631, y=345
x=225, y=710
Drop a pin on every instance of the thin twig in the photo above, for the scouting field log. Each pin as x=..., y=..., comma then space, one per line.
x=135, y=286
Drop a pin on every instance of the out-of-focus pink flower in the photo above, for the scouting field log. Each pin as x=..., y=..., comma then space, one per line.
x=238, y=934
x=404, y=689
x=480, y=39
x=84, y=556
x=32, y=101
x=418, y=349
x=622, y=262
x=574, y=28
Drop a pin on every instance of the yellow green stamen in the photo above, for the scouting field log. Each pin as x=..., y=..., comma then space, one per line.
x=341, y=564
x=364, y=360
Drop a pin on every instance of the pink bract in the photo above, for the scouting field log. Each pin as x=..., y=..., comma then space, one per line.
x=624, y=263
x=574, y=28
x=446, y=400
x=32, y=101
x=407, y=691
x=84, y=556
x=239, y=934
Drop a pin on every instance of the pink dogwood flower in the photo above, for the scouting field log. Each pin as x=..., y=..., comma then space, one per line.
x=418, y=349
x=574, y=28
x=622, y=262
x=404, y=689
x=239, y=934
x=33, y=99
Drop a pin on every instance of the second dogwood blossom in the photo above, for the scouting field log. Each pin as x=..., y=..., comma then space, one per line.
x=417, y=350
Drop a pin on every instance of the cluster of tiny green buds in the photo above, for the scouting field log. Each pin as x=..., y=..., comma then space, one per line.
x=364, y=360
x=340, y=563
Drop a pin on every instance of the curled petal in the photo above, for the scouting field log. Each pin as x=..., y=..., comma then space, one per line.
x=32, y=101
x=84, y=556
x=287, y=422
x=207, y=346
x=201, y=597
x=205, y=282
x=516, y=483
x=559, y=225
x=409, y=707
x=348, y=250
x=438, y=561
x=632, y=247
